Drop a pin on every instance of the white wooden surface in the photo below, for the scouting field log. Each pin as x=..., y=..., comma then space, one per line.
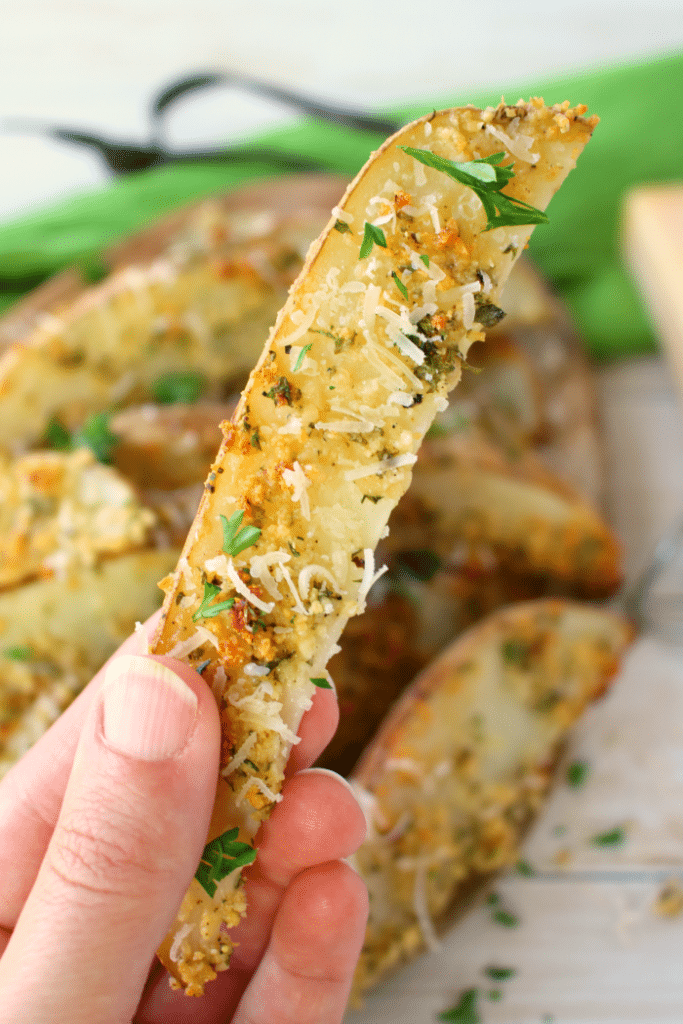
x=588, y=949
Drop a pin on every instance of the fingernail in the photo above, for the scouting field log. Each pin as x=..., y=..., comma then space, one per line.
x=148, y=711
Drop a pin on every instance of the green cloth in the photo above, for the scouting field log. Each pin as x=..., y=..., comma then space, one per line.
x=639, y=139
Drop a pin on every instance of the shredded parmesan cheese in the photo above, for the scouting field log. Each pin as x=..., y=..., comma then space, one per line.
x=241, y=755
x=243, y=589
x=298, y=481
x=376, y=468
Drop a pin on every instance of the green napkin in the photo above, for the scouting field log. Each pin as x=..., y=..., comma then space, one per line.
x=639, y=139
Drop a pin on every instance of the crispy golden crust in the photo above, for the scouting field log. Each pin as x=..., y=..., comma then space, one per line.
x=321, y=445
x=463, y=760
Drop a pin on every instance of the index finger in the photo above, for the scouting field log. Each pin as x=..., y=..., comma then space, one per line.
x=31, y=793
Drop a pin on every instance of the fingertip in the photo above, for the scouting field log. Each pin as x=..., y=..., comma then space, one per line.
x=317, y=728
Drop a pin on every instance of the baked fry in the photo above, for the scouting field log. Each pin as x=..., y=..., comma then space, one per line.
x=321, y=447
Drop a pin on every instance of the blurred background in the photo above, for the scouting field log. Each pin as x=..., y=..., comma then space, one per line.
x=95, y=65
x=590, y=952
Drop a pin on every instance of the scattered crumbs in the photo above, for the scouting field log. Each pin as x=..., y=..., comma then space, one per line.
x=577, y=773
x=465, y=1011
x=614, y=837
x=525, y=868
x=669, y=901
x=505, y=918
x=499, y=973
x=562, y=857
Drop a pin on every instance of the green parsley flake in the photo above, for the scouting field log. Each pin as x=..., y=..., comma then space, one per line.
x=371, y=236
x=322, y=683
x=465, y=1011
x=499, y=973
x=505, y=918
x=425, y=258
x=525, y=868
x=184, y=386
x=577, y=773
x=486, y=178
x=222, y=856
x=57, y=436
x=615, y=837
x=233, y=541
x=19, y=653
x=210, y=611
x=302, y=356
x=400, y=285
x=96, y=435
x=341, y=226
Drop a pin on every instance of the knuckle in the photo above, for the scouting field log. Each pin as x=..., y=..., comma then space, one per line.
x=100, y=855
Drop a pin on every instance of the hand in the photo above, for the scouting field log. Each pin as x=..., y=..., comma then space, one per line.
x=97, y=848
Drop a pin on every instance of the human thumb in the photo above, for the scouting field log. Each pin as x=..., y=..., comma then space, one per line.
x=130, y=834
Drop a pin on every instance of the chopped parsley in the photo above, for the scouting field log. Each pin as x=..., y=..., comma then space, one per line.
x=209, y=611
x=525, y=868
x=96, y=435
x=322, y=683
x=234, y=539
x=57, y=436
x=19, y=653
x=400, y=285
x=465, y=1011
x=614, y=837
x=282, y=392
x=302, y=356
x=372, y=235
x=499, y=973
x=341, y=226
x=222, y=856
x=425, y=258
x=577, y=773
x=487, y=313
x=504, y=917
x=515, y=652
x=486, y=177
x=182, y=386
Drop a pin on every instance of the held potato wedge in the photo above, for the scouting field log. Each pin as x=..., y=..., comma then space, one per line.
x=463, y=761
x=321, y=447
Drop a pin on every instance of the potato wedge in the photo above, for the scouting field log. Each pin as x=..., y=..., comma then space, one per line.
x=468, y=494
x=463, y=761
x=54, y=637
x=62, y=510
x=168, y=446
x=321, y=447
x=205, y=307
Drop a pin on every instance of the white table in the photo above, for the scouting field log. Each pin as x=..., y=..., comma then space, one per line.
x=588, y=949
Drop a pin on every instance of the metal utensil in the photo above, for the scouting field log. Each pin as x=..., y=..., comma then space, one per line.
x=122, y=157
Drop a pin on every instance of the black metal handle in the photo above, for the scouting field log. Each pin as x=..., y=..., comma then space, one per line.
x=346, y=116
x=122, y=157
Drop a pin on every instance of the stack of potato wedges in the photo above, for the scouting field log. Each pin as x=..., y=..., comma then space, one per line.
x=111, y=396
